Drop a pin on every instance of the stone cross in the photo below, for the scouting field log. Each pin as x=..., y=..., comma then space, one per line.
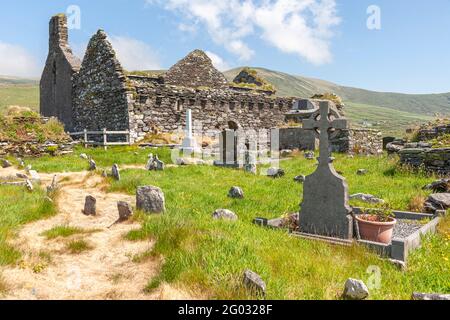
x=325, y=210
x=324, y=124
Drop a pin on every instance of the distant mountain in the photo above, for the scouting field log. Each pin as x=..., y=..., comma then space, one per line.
x=8, y=81
x=289, y=85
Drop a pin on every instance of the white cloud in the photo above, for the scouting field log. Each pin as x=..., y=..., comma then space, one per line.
x=134, y=54
x=300, y=27
x=16, y=61
x=218, y=61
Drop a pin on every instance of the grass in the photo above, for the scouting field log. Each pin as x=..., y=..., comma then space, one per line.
x=64, y=232
x=210, y=256
x=78, y=246
x=129, y=155
x=18, y=207
x=19, y=95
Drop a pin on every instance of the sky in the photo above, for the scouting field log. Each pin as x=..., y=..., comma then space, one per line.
x=381, y=45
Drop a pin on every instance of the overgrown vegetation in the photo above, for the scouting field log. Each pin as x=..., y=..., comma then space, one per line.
x=258, y=82
x=78, y=246
x=24, y=125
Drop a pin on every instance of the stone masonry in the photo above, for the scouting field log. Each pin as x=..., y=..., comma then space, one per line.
x=98, y=93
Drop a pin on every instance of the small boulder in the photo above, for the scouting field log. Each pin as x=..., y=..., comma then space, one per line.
x=224, y=214
x=368, y=198
x=21, y=176
x=437, y=201
x=362, y=172
x=116, y=172
x=90, y=206
x=310, y=155
x=275, y=172
x=439, y=186
x=236, y=193
x=300, y=179
x=254, y=283
x=355, y=290
x=125, y=210
x=6, y=164
x=150, y=199
x=84, y=156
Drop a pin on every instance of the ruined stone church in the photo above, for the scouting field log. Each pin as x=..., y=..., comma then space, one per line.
x=97, y=93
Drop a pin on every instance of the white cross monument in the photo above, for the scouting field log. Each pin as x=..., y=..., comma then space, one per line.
x=189, y=144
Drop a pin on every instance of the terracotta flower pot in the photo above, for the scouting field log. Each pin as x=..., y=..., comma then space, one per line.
x=375, y=231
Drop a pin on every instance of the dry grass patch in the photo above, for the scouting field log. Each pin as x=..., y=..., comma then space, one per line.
x=417, y=203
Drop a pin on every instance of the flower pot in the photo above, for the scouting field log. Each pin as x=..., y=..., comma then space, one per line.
x=375, y=231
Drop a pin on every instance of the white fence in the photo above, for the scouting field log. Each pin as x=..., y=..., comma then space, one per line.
x=105, y=133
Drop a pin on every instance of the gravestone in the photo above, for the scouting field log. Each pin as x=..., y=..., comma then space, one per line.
x=325, y=210
x=189, y=144
x=250, y=158
x=228, y=144
x=116, y=172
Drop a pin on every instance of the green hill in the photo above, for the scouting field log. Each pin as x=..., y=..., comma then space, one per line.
x=19, y=92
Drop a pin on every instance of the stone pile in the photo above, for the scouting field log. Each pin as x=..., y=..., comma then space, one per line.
x=36, y=149
x=434, y=160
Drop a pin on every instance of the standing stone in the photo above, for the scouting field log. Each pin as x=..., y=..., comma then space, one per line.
x=224, y=214
x=236, y=193
x=249, y=162
x=158, y=164
x=254, y=283
x=116, y=172
x=150, y=199
x=325, y=210
x=125, y=210
x=6, y=164
x=355, y=290
x=90, y=206
x=92, y=165
x=54, y=186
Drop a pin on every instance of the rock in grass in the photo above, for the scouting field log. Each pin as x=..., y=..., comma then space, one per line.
x=437, y=201
x=125, y=210
x=29, y=185
x=21, y=176
x=150, y=199
x=116, y=172
x=431, y=296
x=236, y=193
x=300, y=179
x=275, y=172
x=368, y=198
x=309, y=155
x=355, y=290
x=53, y=186
x=90, y=206
x=224, y=214
x=84, y=156
x=92, y=165
x=362, y=172
x=6, y=164
x=254, y=283
x=439, y=186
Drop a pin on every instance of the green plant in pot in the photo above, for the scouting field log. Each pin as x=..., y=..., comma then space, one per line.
x=376, y=225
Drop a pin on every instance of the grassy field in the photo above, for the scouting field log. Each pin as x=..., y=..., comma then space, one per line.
x=19, y=95
x=210, y=256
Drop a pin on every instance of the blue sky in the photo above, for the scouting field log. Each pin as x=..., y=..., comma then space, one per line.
x=326, y=39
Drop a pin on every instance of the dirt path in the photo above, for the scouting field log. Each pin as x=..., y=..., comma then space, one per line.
x=107, y=271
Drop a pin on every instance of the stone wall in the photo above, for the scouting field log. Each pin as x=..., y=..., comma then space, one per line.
x=56, y=82
x=357, y=141
x=297, y=138
x=434, y=160
x=102, y=91
x=433, y=133
x=163, y=107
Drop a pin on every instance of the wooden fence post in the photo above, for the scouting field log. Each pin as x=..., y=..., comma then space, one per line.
x=105, y=140
x=128, y=137
x=85, y=138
